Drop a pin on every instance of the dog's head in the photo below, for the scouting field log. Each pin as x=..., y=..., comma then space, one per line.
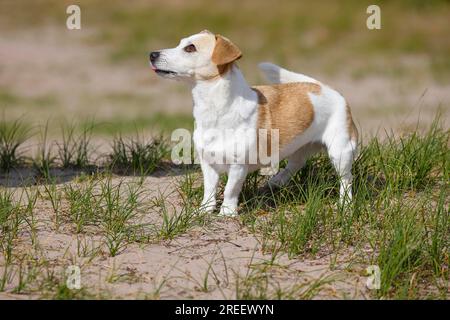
x=202, y=56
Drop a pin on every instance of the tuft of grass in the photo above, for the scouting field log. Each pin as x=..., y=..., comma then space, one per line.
x=117, y=212
x=55, y=196
x=401, y=249
x=75, y=148
x=12, y=136
x=176, y=222
x=188, y=190
x=137, y=155
x=83, y=205
x=179, y=218
x=112, y=207
x=305, y=224
x=410, y=162
x=44, y=159
x=13, y=217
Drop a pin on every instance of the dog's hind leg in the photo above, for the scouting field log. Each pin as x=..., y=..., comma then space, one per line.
x=296, y=161
x=342, y=159
x=340, y=138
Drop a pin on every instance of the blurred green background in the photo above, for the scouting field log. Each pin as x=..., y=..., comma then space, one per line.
x=390, y=76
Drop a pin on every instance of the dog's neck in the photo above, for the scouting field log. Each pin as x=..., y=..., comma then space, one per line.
x=214, y=98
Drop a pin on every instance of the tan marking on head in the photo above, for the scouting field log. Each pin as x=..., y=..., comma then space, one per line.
x=286, y=107
x=204, y=42
x=225, y=52
x=351, y=128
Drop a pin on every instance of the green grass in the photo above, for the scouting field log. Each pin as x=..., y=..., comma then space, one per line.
x=55, y=197
x=75, y=148
x=177, y=220
x=45, y=158
x=12, y=135
x=82, y=204
x=100, y=203
x=137, y=155
x=15, y=216
x=116, y=213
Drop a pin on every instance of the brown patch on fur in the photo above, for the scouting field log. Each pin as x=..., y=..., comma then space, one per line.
x=224, y=68
x=225, y=51
x=285, y=107
x=352, y=131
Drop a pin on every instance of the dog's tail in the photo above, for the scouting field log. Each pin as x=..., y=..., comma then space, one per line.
x=276, y=74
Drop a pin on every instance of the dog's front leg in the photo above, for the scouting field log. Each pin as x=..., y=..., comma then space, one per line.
x=236, y=178
x=210, y=182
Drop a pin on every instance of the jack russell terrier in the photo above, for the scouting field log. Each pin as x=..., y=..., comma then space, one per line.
x=305, y=114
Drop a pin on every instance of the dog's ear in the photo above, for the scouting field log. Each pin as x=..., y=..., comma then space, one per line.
x=225, y=51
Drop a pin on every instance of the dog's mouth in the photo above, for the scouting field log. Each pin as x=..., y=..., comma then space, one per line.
x=162, y=71
x=165, y=72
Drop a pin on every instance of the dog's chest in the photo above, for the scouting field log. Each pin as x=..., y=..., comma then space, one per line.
x=225, y=132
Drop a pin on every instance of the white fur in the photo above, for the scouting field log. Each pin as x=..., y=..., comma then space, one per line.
x=275, y=74
x=228, y=102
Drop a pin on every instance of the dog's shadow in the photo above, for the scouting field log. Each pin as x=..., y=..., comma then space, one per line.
x=23, y=177
x=317, y=176
x=26, y=176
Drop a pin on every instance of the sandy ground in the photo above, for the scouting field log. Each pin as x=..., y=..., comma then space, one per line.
x=208, y=262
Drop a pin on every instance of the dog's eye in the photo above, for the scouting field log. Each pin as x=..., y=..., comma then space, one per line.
x=190, y=48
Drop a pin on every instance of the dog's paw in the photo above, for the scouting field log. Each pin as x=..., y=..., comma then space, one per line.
x=207, y=208
x=226, y=211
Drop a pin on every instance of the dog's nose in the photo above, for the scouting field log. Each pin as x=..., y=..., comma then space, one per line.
x=154, y=55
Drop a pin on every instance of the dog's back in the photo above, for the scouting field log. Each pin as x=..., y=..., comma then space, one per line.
x=329, y=101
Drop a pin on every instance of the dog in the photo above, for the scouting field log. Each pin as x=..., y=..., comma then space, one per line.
x=306, y=114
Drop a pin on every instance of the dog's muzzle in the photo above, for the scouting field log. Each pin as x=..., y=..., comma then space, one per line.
x=153, y=59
